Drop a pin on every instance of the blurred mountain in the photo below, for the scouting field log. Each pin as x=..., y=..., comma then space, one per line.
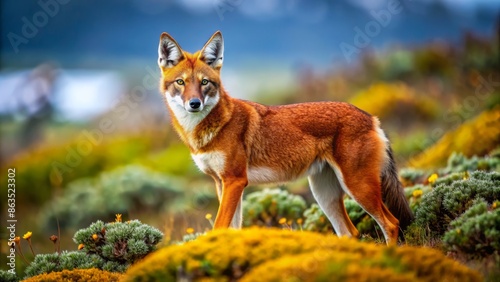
x=115, y=33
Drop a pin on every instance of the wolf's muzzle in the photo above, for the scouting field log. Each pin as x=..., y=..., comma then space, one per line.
x=194, y=105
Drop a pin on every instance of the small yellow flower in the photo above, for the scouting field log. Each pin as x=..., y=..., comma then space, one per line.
x=190, y=230
x=27, y=236
x=432, y=178
x=299, y=221
x=417, y=193
x=459, y=231
x=208, y=216
x=494, y=205
x=81, y=246
x=118, y=217
x=95, y=237
x=282, y=221
x=466, y=175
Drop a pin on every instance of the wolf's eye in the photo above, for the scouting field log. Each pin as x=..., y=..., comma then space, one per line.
x=204, y=82
x=180, y=81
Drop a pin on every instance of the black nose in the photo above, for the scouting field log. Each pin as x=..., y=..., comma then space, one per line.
x=195, y=103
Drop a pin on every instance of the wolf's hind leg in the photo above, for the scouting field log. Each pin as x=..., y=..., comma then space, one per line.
x=329, y=194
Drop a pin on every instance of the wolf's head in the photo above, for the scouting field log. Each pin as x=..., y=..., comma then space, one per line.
x=191, y=82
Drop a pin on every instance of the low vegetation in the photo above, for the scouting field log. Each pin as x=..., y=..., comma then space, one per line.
x=282, y=255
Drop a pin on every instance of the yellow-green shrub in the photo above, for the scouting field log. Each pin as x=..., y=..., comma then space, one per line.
x=414, y=194
x=227, y=255
x=406, y=144
x=476, y=137
x=476, y=233
x=382, y=99
x=128, y=189
x=323, y=265
x=174, y=160
x=269, y=206
x=44, y=169
x=387, y=264
x=77, y=275
x=316, y=220
x=433, y=61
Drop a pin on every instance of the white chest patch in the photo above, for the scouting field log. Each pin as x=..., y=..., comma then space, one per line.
x=210, y=161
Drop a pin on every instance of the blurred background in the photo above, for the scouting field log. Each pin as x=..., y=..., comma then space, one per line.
x=84, y=126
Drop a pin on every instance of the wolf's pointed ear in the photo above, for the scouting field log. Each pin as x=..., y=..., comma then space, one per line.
x=213, y=51
x=169, y=52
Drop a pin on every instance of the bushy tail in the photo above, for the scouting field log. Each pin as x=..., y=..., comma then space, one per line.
x=393, y=193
